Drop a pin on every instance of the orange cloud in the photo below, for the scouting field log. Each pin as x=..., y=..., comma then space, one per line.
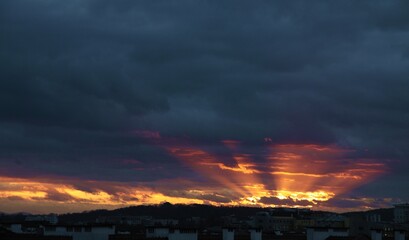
x=291, y=175
x=40, y=192
x=301, y=172
x=320, y=168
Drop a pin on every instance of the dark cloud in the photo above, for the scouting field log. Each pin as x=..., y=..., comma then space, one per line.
x=59, y=197
x=288, y=202
x=358, y=202
x=215, y=198
x=15, y=198
x=79, y=78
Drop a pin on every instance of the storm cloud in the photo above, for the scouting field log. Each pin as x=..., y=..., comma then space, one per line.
x=80, y=80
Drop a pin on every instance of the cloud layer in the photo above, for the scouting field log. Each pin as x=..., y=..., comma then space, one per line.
x=119, y=92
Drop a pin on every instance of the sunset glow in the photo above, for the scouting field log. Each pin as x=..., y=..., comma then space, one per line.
x=300, y=174
x=108, y=104
x=289, y=175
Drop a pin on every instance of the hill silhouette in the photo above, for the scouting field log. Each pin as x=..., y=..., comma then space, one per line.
x=165, y=210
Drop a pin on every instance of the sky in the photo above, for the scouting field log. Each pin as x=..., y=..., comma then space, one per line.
x=106, y=104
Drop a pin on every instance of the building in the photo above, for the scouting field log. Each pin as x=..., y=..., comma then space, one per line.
x=24, y=227
x=51, y=218
x=228, y=233
x=6, y=234
x=301, y=224
x=401, y=213
x=171, y=233
x=273, y=223
x=332, y=220
x=322, y=233
x=388, y=234
x=80, y=232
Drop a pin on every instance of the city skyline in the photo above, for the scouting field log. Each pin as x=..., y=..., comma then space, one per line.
x=108, y=104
